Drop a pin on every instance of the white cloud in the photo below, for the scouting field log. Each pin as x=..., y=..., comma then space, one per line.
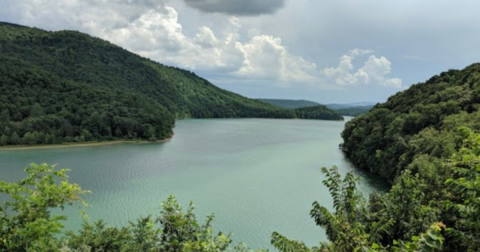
x=359, y=52
x=265, y=56
x=206, y=38
x=152, y=29
x=374, y=71
x=158, y=35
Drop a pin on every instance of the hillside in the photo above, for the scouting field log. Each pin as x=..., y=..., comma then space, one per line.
x=418, y=121
x=68, y=86
x=292, y=104
x=426, y=141
x=314, y=112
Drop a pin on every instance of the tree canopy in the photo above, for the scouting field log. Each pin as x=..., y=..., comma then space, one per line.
x=422, y=120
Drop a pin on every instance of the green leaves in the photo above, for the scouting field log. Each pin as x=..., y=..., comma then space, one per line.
x=285, y=245
x=176, y=230
x=462, y=203
x=429, y=241
x=343, y=227
x=26, y=222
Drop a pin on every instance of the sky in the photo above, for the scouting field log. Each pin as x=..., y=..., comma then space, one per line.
x=328, y=51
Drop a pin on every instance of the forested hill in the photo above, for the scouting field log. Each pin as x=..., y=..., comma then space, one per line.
x=426, y=141
x=420, y=121
x=68, y=86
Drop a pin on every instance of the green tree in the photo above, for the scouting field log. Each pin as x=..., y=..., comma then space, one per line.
x=28, y=138
x=351, y=228
x=463, y=200
x=344, y=228
x=151, y=133
x=14, y=139
x=26, y=221
x=37, y=110
x=3, y=140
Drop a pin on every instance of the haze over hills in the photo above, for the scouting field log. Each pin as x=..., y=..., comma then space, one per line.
x=285, y=103
x=68, y=86
x=350, y=105
x=353, y=111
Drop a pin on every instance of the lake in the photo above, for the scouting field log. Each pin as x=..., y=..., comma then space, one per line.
x=256, y=175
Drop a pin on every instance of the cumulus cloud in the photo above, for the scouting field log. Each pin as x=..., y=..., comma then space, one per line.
x=158, y=34
x=374, y=71
x=151, y=28
x=206, y=38
x=265, y=56
x=237, y=7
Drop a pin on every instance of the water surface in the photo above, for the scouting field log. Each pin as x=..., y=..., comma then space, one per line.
x=256, y=175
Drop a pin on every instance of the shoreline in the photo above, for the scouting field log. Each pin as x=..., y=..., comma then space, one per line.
x=77, y=145
x=116, y=142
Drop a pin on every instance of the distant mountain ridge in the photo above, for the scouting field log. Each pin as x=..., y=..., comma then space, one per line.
x=350, y=105
x=348, y=109
x=68, y=86
x=353, y=111
x=285, y=103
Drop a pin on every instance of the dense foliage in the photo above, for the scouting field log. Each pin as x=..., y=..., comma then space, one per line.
x=426, y=141
x=422, y=120
x=40, y=108
x=67, y=86
x=317, y=111
x=27, y=224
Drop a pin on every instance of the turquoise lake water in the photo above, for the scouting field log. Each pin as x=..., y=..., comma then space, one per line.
x=256, y=175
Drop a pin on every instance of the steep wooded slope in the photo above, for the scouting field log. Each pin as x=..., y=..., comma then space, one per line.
x=417, y=121
x=68, y=86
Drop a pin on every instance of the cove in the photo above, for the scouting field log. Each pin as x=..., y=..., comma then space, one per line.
x=256, y=175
